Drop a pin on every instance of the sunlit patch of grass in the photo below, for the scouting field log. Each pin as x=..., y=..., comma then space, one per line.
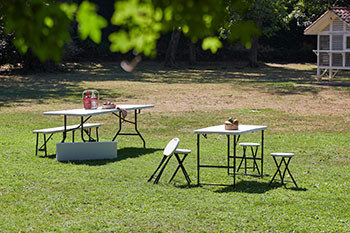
x=114, y=195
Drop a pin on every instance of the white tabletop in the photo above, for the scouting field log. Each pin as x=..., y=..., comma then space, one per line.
x=220, y=129
x=99, y=110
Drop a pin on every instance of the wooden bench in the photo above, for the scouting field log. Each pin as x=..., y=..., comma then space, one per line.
x=87, y=128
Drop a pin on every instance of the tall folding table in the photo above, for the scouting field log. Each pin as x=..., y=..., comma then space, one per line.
x=220, y=129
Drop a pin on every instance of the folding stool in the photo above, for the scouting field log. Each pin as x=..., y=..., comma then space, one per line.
x=169, y=150
x=254, y=149
x=285, y=159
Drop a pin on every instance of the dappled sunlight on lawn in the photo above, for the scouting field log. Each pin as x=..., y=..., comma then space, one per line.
x=207, y=86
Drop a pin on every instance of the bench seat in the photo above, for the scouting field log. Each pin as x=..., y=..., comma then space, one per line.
x=69, y=128
x=72, y=128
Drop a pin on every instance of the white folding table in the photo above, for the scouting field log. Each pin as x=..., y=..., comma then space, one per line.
x=88, y=113
x=220, y=129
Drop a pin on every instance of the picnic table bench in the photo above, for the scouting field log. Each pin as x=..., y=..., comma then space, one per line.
x=87, y=129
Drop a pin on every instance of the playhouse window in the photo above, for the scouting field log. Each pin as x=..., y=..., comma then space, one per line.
x=348, y=42
x=324, y=59
x=337, y=42
x=324, y=42
x=347, y=59
x=337, y=59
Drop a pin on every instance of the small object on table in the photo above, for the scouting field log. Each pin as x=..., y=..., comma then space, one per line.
x=231, y=124
x=90, y=99
x=108, y=105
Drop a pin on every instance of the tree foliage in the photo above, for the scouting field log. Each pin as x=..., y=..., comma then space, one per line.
x=37, y=25
x=307, y=11
x=43, y=25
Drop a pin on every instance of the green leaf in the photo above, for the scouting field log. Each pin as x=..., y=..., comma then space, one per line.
x=90, y=23
x=212, y=43
x=120, y=42
x=69, y=9
x=48, y=21
x=20, y=44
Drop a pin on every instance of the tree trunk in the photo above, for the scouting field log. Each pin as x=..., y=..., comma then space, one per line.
x=192, y=50
x=172, y=47
x=253, y=53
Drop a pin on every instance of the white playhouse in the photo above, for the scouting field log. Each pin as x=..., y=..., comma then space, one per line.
x=333, y=41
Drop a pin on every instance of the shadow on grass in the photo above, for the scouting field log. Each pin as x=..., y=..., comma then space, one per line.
x=256, y=187
x=124, y=153
x=42, y=87
x=130, y=152
x=246, y=187
x=290, y=186
x=51, y=156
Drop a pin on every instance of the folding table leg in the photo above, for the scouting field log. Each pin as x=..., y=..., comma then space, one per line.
x=97, y=134
x=262, y=154
x=45, y=147
x=37, y=144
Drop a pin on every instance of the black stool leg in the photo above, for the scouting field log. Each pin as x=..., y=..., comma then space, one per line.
x=278, y=170
x=244, y=158
x=164, y=158
x=161, y=171
x=287, y=169
x=182, y=168
x=255, y=165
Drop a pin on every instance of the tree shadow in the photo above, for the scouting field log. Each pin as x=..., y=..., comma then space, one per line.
x=124, y=153
x=41, y=87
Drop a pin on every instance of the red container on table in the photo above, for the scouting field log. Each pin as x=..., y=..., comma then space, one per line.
x=90, y=99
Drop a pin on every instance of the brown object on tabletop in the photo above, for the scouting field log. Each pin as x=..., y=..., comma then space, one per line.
x=231, y=124
x=108, y=105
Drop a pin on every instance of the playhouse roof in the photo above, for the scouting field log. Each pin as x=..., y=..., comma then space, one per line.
x=343, y=13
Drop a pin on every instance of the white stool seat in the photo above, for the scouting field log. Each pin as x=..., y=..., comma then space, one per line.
x=249, y=144
x=280, y=154
x=171, y=147
x=182, y=151
x=169, y=150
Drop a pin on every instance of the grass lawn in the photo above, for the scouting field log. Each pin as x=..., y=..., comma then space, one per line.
x=39, y=194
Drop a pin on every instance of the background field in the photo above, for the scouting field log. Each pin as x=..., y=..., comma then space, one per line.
x=39, y=194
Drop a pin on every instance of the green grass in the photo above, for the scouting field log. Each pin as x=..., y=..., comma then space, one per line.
x=39, y=194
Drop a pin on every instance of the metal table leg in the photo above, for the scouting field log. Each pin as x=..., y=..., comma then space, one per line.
x=262, y=153
x=82, y=128
x=234, y=160
x=121, y=120
x=65, y=128
x=198, y=156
